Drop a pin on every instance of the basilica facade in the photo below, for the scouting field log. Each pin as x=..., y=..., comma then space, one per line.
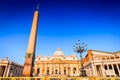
x=57, y=65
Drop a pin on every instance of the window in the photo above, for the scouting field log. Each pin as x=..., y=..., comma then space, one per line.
x=110, y=66
x=105, y=66
x=112, y=75
x=56, y=71
x=107, y=75
x=47, y=71
x=38, y=71
x=103, y=58
x=59, y=72
x=73, y=57
x=74, y=70
x=64, y=71
x=112, y=57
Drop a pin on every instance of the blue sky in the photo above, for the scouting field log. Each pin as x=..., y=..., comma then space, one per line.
x=61, y=24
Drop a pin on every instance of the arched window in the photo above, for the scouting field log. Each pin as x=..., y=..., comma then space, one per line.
x=74, y=70
x=56, y=71
x=64, y=71
x=38, y=70
x=47, y=71
x=59, y=72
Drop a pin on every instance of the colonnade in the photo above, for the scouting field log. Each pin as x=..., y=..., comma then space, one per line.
x=103, y=69
x=6, y=71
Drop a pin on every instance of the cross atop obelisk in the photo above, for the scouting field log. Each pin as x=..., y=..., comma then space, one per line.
x=38, y=5
x=30, y=53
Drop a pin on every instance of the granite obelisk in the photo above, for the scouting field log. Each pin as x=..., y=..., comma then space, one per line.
x=30, y=53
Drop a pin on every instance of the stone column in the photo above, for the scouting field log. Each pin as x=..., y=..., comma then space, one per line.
x=62, y=69
x=4, y=75
x=41, y=68
x=93, y=69
x=54, y=69
x=103, y=71
x=35, y=69
x=89, y=70
x=8, y=72
x=50, y=69
x=67, y=69
x=113, y=69
x=45, y=69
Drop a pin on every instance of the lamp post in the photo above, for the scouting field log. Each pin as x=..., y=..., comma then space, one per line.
x=80, y=49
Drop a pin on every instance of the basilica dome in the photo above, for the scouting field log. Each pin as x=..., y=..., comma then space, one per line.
x=58, y=52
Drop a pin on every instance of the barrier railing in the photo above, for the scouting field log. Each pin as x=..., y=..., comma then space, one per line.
x=59, y=78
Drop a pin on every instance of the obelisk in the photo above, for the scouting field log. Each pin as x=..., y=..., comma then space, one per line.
x=30, y=53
